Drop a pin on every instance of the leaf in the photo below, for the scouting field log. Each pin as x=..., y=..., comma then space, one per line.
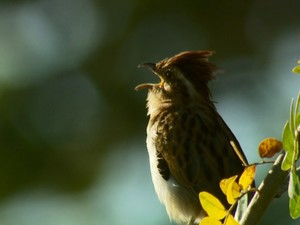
x=212, y=206
x=296, y=69
x=294, y=184
x=269, y=147
x=292, y=116
x=297, y=128
x=232, y=190
x=288, y=146
x=287, y=138
x=223, y=185
x=230, y=220
x=297, y=143
x=291, y=139
x=294, y=206
x=297, y=109
x=287, y=161
x=210, y=221
x=294, y=194
x=247, y=177
x=225, y=182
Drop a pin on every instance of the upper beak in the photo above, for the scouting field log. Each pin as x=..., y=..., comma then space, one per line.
x=152, y=67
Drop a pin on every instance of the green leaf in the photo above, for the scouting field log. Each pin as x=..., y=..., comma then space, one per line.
x=294, y=184
x=288, y=138
x=287, y=161
x=292, y=118
x=295, y=207
x=294, y=194
x=291, y=145
x=297, y=143
x=297, y=127
x=297, y=110
x=288, y=146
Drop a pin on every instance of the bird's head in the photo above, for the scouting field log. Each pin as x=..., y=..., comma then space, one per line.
x=182, y=77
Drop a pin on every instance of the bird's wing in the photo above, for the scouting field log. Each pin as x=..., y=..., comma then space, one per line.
x=197, y=151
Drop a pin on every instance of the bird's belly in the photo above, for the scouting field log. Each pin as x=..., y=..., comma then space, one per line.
x=181, y=204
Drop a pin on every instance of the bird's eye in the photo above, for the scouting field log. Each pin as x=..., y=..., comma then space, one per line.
x=168, y=74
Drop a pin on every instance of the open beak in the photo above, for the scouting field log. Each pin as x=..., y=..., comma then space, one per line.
x=152, y=67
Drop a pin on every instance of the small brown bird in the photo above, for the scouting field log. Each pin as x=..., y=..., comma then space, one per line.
x=190, y=146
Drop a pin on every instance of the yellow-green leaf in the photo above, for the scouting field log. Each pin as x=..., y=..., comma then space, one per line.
x=288, y=146
x=223, y=185
x=292, y=116
x=247, y=177
x=296, y=69
x=294, y=206
x=230, y=220
x=233, y=190
x=294, y=184
x=212, y=206
x=287, y=161
x=210, y=221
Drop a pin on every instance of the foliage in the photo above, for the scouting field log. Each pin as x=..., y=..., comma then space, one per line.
x=233, y=191
x=291, y=144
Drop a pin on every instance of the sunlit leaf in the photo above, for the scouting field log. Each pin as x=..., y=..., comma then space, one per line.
x=296, y=69
x=288, y=146
x=269, y=147
x=233, y=190
x=230, y=220
x=287, y=161
x=294, y=193
x=210, y=221
x=297, y=127
x=292, y=116
x=291, y=139
x=294, y=184
x=287, y=138
x=212, y=206
x=234, y=187
x=297, y=109
x=294, y=206
x=247, y=177
x=297, y=147
x=223, y=185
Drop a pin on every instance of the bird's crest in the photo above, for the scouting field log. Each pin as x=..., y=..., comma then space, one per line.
x=193, y=64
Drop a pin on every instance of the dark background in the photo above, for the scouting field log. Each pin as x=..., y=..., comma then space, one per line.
x=72, y=128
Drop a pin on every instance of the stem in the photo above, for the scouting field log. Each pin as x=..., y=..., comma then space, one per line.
x=266, y=192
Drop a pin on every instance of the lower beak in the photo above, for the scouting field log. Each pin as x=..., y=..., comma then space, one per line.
x=150, y=85
x=152, y=67
x=144, y=86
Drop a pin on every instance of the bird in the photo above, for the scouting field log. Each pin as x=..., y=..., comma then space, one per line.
x=190, y=147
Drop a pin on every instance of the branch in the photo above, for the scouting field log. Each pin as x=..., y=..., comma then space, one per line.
x=265, y=194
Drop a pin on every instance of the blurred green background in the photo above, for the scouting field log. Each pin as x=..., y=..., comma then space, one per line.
x=72, y=128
